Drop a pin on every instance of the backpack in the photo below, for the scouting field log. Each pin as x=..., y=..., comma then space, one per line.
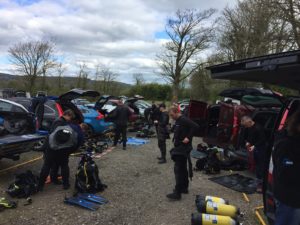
x=213, y=164
x=87, y=176
x=25, y=185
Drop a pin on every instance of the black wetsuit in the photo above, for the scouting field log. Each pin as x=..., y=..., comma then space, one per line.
x=54, y=159
x=163, y=133
x=255, y=135
x=183, y=128
x=120, y=117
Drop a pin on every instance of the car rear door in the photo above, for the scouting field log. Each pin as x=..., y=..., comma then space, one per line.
x=280, y=69
x=198, y=113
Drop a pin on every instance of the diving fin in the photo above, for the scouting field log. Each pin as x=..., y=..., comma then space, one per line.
x=81, y=203
x=93, y=198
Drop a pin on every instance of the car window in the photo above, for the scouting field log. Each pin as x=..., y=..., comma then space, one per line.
x=50, y=108
x=82, y=110
x=8, y=107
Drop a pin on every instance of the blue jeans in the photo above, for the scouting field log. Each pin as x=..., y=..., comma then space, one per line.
x=286, y=215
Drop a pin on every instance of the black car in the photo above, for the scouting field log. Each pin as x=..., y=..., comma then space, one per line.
x=280, y=69
x=17, y=130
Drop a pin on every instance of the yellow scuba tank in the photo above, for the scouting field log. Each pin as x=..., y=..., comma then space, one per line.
x=206, y=219
x=211, y=199
x=217, y=209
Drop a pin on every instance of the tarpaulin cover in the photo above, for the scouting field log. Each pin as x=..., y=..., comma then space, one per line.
x=237, y=182
x=136, y=141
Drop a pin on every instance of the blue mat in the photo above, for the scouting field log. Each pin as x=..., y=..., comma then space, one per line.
x=136, y=141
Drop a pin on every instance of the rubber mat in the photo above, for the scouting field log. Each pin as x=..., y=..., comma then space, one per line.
x=237, y=182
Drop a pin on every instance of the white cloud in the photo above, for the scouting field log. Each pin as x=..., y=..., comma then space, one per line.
x=118, y=33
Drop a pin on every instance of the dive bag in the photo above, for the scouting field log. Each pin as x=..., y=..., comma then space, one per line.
x=25, y=185
x=87, y=176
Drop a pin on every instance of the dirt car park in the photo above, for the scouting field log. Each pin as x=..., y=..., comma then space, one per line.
x=136, y=191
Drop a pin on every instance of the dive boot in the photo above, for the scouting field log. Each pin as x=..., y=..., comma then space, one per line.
x=174, y=196
x=162, y=161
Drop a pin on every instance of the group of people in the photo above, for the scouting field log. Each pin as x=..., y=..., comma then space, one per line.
x=286, y=165
x=184, y=130
x=65, y=137
x=286, y=158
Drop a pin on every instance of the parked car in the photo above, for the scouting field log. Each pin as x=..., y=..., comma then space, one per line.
x=280, y=69
x=81, y=101
x=54, y=108
x=106, y=104
x=95, y=120
x=17, y=130
x=142, y=106
x=220, y=123
x=183, y=104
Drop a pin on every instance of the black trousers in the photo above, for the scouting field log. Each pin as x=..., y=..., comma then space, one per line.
x=162, y=147
x=181, y=173
x=61, y=162
x=121, y=130
x=54, y=160
x=259, y=154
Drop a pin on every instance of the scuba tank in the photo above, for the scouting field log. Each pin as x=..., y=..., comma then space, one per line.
x=206, y=219
x=211, y=199
x=217, y=209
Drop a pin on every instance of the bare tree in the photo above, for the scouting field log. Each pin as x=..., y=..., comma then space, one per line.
x=107, y=78
x=189, y=36
x=61, y=69
x=138, y=78
x=82, y=77
x=32, y=59
x=249, y=29
x=290, y=12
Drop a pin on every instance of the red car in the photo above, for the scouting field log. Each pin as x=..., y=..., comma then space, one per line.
x=280, y=69
x=220, y=123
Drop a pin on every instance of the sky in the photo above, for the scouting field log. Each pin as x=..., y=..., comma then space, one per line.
x=124, y=35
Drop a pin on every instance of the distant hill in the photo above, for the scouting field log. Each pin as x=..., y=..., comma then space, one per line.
x=69, y=82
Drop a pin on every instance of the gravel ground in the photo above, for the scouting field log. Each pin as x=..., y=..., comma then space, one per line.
x=137, y=186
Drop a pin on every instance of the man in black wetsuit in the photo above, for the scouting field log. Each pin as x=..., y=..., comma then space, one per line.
x=52, y=157
x=256, y=143
x=120, y=116
x=162, y=132
x=184, y=130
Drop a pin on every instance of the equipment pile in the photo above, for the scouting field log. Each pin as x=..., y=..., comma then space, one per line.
x=214, y=210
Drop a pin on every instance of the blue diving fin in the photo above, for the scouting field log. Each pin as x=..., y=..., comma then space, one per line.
x=81, y=203
x=93, y=198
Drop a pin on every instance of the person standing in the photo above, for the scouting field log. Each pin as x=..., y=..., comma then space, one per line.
x=52, y=157
x=256, y=143
x=162, y=132
x=62, y=157
x=184, y=130
x=286, y=161
x=120, y=117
